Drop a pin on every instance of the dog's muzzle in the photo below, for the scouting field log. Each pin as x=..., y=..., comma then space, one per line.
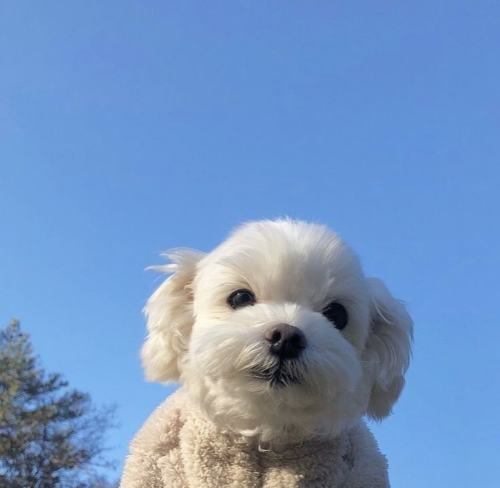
x=286, y=344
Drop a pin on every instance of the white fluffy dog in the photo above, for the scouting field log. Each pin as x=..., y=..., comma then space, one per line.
x=280, y=342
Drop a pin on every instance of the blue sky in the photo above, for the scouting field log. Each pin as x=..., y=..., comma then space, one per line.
x=127, y=128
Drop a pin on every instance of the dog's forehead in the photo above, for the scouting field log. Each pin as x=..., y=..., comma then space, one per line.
x=278, y=240
x=291, y=257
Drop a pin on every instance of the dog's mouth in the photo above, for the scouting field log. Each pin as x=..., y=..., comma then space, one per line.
x=282, y=374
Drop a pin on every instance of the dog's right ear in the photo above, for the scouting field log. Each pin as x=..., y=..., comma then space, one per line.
x=388, y=348
x=169, y=313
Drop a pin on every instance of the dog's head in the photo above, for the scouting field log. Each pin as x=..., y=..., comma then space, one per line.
x=277, y=332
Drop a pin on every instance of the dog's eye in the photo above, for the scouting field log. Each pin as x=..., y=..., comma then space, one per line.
x=337, y=314
x=241, y=298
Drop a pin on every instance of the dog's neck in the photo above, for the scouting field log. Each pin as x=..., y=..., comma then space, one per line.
x=291, y=441
x=265, y=438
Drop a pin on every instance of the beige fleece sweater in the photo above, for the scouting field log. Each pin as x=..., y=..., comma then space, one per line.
x=179, y=449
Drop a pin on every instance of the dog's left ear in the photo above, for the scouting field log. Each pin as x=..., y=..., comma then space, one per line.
x=388, y=349
x=169, y=314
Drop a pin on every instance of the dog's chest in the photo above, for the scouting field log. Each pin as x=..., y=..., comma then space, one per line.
x=208, y=459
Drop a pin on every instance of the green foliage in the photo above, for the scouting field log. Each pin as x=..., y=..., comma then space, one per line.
x=50, y=436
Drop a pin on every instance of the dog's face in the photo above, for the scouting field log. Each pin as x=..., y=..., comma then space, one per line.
x=277, y=332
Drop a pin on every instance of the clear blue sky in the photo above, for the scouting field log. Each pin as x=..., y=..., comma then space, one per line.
x=130, y=127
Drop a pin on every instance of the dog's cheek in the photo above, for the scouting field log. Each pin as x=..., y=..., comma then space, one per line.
x=216, y=349
x=332, y=363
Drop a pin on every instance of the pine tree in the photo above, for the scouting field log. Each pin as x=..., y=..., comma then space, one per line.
x=50, y=436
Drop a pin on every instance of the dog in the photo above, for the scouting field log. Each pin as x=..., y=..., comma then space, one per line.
x=282, y=345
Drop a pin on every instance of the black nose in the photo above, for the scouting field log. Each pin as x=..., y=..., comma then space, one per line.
x=286, y=341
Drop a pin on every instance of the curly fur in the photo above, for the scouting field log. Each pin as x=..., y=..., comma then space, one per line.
x=294, y=269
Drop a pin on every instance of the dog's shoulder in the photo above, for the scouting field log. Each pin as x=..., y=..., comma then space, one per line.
x=368, y=465
x=161, y=430
x=155, y=443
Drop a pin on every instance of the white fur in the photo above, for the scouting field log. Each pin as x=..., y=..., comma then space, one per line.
x=295, y=269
